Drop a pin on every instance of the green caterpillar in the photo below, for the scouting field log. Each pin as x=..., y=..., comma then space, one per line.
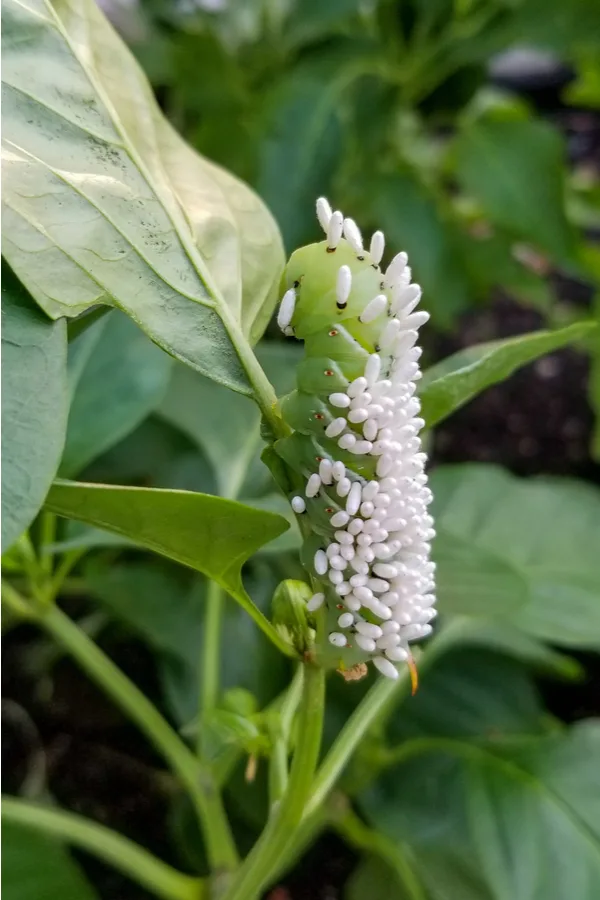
x=355, y=422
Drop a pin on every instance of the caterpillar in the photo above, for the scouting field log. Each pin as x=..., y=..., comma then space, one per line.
x=355, y=448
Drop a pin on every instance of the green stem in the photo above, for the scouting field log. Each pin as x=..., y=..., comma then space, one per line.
x=263, y=860
x=199, y=782
x=375, y=705
x=69, y=560
x=113, y=848
x=278, y=764
x=379, y=698
x=224, y=765
x=227, y=761
x=16, y=602
x=303, y=837
x=263, y=391
x=371, y=707
x=211, y=653
x=357, y=834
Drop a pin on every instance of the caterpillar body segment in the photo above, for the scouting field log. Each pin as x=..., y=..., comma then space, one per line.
x=355, y=443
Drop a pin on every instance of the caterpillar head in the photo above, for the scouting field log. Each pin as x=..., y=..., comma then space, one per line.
x=313, y=274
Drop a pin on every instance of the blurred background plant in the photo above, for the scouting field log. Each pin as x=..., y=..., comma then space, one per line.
x=459, y=126
x=466, y=129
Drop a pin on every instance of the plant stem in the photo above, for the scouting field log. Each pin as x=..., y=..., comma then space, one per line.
x=16, y=602
x=303, y=837
x=373, y=704
x=258, y=867
x=262, y=390
x=211, y=653
x=382, y=695
x=226, y=762
x=199, y=782
x=69, y=560
x=113, y=848
x=278, y=764
x=372, y=707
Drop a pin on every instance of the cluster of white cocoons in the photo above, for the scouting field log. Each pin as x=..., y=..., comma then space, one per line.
x=379, y=558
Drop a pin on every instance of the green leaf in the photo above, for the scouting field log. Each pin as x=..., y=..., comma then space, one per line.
x=280, y=360
x=460, y=377
x=210, y=86
x=35, y=403
x=491, y=263
x=472, y=693
x=35, y=868
x=155, y=455
x=167, y=609
x=121, y=381
x=507, y=638
x=225, y=728
x=498, y=812
x=550, y=25
x=311, y=20
x=515, y=169
x=554, y=25
x=235, y=233
x=210, y=534
x=374, y=878
x=77, y=536
x=594, y=351
x=226, y=427
x=302, y=141
x=105, y=204
x=247, y=657
x=154, y=599
x=475, y=581
x=277, y=503
x=413, y=219
x=290, y=616
x=545, y=529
